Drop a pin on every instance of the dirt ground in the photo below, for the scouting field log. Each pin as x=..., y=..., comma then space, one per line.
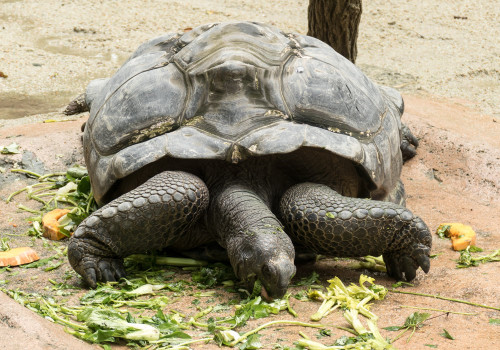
x=442, y=55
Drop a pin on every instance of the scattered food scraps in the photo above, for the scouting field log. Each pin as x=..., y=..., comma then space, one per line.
x=18, y=256
x=51, y=223
x=461, y=235
x=13, y=148
x=468, y=260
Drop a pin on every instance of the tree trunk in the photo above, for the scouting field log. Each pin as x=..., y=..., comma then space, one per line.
x=336, y=23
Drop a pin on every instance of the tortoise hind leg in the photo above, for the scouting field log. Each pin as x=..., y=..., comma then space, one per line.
x=78, y=105
x=150, y=217
x=328, y=223
x=84, y=101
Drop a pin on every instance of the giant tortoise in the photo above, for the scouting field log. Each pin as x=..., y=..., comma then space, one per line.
x=261, y=141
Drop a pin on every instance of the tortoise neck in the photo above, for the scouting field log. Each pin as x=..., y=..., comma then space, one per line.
x=244, y=224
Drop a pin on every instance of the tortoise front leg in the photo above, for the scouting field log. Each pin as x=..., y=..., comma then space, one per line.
x=328, y=223
x=150, y=217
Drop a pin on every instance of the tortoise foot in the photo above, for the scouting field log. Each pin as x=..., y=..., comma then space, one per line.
x=407, y=262
x=94, y=263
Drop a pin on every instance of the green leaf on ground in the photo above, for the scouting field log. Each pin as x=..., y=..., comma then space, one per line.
x=468, y=260
x=447, y=335
x=13, y=148
x=309, y=281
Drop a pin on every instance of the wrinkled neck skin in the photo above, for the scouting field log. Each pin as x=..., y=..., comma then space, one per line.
x=240, y=215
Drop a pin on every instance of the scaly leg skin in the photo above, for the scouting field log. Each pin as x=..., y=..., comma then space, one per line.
x=150, y=217
x=78, y=105
x=321, y=219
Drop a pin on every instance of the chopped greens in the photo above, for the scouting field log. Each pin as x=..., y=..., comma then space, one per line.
x=213, y=275
x=70, y=189
x=414, y=321
x=371, y=263
x=4, y=244
x=13, y=148
x=362, y=339
x=468, y=260
x=352, y=297
x=312, y=280
x=443, y=231
x=447, y=335
x=112, y=324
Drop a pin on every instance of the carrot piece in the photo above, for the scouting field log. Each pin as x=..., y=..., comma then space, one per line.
x=18, y=256
x=461, y=235
x=50, y=224
x=462, y=242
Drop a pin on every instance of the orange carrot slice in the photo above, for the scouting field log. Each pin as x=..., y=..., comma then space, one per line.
x=461, y=235
x=18, y=256
x=50, y=224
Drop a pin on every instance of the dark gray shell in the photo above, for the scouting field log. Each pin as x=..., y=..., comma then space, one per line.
x=236, y=90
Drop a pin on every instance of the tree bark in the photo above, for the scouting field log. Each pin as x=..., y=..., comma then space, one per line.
x=336, y=23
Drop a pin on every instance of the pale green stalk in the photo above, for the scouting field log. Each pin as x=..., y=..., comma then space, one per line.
x=445, y=298
x=272, y=323
x=446, y=311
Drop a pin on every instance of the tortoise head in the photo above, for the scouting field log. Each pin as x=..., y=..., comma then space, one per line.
x=267, y=258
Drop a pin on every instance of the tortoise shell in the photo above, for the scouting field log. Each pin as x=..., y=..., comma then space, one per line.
x=236, y=90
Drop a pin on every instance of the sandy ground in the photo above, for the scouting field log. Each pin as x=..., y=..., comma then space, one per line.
x=442, y=55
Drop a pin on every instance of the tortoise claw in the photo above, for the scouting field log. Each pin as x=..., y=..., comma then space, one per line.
x=400, y=261
x=392, y=266
x=118, y=269
x=421, y=255
x=106, y=273
x=90, y=277
x=95, y=269
x=409, y=268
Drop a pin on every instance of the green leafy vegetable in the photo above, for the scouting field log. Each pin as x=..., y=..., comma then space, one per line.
x=4, y=244
x=363, y=339
x=371, y=263
x=325, y=333
x=468, y=260
x=213, y=275
x=495, y=321
x=401, y=283
x=447, y=335
x=40, y=263
x=13, y=148
x=352, y=297
x=252, y=342
x=76, y=172
x=256, y=308
x=233, y=338
x=443, y=231
x=414, y=321
x=110, y=324
x=475, y=249
x=70, y=190
x=309, y=281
